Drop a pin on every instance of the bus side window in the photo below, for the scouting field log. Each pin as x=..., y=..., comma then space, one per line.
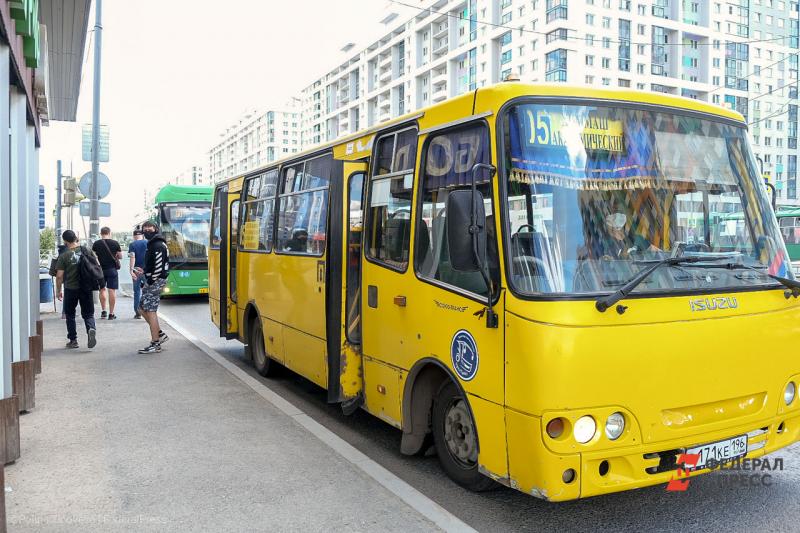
x=354, y=234
x=257, y=214
x=234, y=231
x=303, y=213
x=389, y=220
x=216, y=237
x=448, y=161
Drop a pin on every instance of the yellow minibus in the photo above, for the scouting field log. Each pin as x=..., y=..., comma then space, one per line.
x=527, y=278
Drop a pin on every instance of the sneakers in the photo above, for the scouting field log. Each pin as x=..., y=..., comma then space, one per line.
x=92, y=338
x=103, y=315
x=162, y=337
x=112, y=316
x=72, y=344
x=154, y=347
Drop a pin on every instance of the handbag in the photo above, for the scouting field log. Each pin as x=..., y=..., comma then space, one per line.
x=117, y=264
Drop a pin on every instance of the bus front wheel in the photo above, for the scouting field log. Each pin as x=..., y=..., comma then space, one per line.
x=261, y=361
x=456, y=439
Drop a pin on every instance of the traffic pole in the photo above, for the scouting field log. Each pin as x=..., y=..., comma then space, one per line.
x=59, y=192
x=94, y=217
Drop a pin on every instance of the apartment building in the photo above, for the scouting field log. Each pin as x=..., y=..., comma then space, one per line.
x=192, y=175
x=738, y=53
x=257, y=138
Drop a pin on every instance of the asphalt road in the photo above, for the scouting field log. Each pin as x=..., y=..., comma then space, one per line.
x=710, y=504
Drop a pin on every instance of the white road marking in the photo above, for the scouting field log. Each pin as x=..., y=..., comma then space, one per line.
x=411, y=496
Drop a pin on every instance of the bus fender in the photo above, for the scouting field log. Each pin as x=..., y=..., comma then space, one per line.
x=423, y=382
x=250, y=312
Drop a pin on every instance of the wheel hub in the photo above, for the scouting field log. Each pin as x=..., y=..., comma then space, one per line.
x=459, y=434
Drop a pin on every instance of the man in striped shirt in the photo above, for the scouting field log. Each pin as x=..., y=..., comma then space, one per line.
x=155, y=272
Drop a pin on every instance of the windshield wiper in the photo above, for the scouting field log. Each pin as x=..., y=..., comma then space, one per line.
x=791, y=284
x=602, y=304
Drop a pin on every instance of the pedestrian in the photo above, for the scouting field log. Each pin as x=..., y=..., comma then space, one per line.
x=136, y=252
x=155, y=272
x=109, y=253
x=68, y=275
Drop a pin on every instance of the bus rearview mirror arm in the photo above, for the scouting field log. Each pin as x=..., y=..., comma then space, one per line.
x=480, y=258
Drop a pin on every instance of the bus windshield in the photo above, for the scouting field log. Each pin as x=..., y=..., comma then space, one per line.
x=186, y=230
x=595, y=194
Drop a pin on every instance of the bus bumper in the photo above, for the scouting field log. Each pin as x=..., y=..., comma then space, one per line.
x=536, y=470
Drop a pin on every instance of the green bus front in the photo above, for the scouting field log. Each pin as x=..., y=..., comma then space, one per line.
x=185, y=226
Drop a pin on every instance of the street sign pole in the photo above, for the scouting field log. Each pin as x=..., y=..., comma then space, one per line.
x=58, y=203
x=94, y=218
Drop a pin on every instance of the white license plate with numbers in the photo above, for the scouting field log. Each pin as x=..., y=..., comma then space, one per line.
x=721, y=451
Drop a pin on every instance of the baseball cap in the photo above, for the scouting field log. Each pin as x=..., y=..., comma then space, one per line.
x=137, y=232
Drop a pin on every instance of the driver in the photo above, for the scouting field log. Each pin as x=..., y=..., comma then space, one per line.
x=619, y=244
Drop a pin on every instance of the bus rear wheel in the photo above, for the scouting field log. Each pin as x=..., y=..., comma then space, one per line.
x=261, y=361
x=456, y=439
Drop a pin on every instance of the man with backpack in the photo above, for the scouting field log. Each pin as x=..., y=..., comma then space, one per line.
x=109, y=253
x=155, y=272
x=78, y=271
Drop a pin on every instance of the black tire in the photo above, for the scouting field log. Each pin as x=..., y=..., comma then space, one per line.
x=261, y=361
x=456, y=440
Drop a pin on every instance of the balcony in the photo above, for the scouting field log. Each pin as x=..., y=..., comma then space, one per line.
x=439, y=77
x=440, y=48
x=385, y=61
x=385, y=76
x=439, y=93
x=440, y=30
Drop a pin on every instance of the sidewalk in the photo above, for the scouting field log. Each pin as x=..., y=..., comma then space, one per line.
x=173, y=441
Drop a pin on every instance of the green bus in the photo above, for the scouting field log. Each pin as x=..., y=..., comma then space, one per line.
x=184, y=214
x=730, y=226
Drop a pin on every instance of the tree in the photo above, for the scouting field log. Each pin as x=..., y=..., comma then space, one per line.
x=47, y=241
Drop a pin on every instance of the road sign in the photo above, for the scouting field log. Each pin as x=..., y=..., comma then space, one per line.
x=103, y=185
x=103, y=209
x=86, y=143
x=41, y=207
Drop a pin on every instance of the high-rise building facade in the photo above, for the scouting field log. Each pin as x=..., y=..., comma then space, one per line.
x=257, y=138
x=192, y=175
x=737, y=53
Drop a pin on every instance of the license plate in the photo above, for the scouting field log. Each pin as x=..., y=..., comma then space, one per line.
x=202, y=291
x=721, y=451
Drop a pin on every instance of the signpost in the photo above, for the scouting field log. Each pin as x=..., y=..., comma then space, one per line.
x=86, y=143
x=103, y=185
x=103, y=208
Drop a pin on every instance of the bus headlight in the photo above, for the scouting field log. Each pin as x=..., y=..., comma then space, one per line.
x=615, y=425
x=789, y=392
x=584, y=430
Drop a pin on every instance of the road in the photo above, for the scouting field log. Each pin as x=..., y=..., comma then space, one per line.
x=708, y=505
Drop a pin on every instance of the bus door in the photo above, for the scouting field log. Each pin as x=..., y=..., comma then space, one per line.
x=229, y=231
x=419, y=303
x=346, y=361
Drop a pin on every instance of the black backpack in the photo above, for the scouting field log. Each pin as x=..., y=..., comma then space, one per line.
x=89, y=272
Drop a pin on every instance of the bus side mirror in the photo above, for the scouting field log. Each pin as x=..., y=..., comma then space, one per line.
x=466, y=242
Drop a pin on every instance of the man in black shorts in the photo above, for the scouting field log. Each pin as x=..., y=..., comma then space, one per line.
x=109, y=253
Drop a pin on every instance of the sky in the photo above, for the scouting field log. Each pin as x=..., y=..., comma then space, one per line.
x=176, y=73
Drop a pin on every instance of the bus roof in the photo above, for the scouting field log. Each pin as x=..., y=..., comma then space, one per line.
x=184, y=193
x=487, y=100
